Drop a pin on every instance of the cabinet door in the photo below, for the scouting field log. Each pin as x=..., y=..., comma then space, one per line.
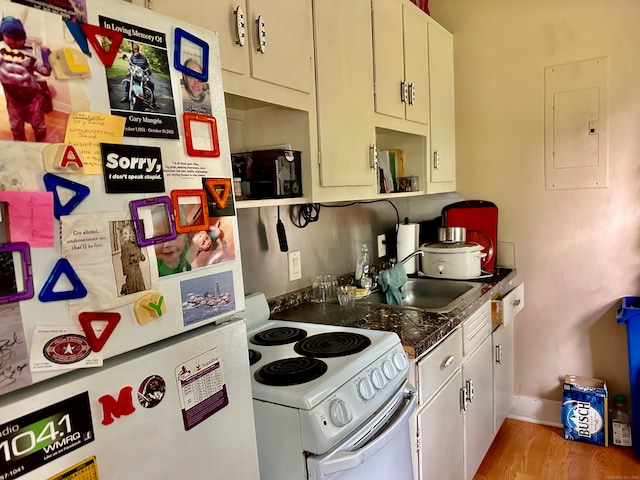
x=344, y=82
x=478, y=418
x=400, y=55
x=287, y=36
x=442, y=124
x=440, y=434
x=388, y=61
x=502, y=339
x=416, y=63
x=218, y=16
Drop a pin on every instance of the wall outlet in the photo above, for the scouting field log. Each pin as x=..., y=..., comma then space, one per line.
x=295, y=266
x=506, y=256
x=382, y=245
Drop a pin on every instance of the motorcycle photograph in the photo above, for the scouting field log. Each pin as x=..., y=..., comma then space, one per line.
x=139, y=88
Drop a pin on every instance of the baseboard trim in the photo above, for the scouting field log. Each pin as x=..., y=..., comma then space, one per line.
x=536, y=410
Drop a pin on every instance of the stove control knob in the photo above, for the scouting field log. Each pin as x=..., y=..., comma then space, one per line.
x=378, y=379
x=389, y=369
x=366, y=389
x=400, y=361
x=340, y=413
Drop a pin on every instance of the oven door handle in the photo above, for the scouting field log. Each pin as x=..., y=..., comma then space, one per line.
x=346, y=460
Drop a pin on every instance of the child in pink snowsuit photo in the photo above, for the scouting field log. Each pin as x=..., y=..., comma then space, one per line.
x=23, y=94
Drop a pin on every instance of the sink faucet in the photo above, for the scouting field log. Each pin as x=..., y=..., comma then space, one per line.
x=411, y=255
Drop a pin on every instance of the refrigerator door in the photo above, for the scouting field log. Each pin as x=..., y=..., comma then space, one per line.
x=138, y=292
x=170, y=410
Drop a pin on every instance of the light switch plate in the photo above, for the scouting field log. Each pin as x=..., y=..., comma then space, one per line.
x=295, y=265
x=382, y=246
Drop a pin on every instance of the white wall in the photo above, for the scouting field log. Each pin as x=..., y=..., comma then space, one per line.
x=577, y=250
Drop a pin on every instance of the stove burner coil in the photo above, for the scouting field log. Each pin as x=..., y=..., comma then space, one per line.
x=290, y=371
x=278, y=336
x=254, y=356
x=333, y=344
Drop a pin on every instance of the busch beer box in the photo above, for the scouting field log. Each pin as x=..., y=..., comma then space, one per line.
x=585, y=410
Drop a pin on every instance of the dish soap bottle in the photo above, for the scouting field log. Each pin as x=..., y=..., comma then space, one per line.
x=362, y=266
x=620, y=422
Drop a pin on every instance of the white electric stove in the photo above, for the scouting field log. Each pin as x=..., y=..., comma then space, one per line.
x=317, y=388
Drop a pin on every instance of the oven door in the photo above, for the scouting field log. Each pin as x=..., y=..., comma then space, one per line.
x=379, y=449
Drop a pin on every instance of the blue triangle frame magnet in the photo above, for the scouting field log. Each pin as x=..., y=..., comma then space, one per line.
x=63, y=266
x=51, y=182
x=79, y=36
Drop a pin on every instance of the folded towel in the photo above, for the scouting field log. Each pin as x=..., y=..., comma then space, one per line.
x=391, y=282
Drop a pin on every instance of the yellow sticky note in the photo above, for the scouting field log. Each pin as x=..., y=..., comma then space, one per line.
x=87, y=130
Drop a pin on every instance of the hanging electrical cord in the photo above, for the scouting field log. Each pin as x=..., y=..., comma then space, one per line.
x=302, y=215
x=282, y=235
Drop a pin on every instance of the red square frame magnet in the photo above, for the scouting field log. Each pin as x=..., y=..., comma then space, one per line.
x=188, y=118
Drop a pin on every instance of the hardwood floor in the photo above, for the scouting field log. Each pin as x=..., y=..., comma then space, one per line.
x=528, y=451
x=56, y=125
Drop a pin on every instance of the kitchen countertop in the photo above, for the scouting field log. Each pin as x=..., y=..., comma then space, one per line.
x=419, y=330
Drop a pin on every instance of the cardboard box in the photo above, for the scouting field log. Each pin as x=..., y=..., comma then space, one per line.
x=585, y=412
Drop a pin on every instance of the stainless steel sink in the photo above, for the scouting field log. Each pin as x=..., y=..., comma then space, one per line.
x=429, y=294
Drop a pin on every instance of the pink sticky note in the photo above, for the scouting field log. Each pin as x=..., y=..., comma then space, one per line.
x=30, y=217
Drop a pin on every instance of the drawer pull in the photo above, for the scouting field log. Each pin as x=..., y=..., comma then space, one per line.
x=516, y=302
x=448, y=361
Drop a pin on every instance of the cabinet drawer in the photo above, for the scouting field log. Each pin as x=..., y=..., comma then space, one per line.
x=476, y=328
x=506, y=308
x=436, y=367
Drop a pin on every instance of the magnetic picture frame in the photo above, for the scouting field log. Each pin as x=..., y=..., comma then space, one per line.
x=27, y=278
x=190, y=137
x=181, y=35
x=143, y=240
x=203, y=210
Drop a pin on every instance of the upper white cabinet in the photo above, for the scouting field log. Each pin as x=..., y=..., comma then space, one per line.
x=442, y=161
x=344, y=83
x=401, y=67
x=264, y=44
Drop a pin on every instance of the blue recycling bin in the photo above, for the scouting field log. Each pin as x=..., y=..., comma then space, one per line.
x=629, y=313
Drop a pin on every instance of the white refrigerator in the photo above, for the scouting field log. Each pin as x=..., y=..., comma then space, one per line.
x=121, y=228
x=177, y=409
x=120, y=357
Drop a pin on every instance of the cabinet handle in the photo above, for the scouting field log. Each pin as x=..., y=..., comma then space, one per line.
x=262, y=34
x=463, y=398
x=412, y=94
x=436, y=159
x=241, y=26
x=499, y=354
x=516, y=302
x=448, y=361
x=404, y=91
x=373, y=157
x=469, y=388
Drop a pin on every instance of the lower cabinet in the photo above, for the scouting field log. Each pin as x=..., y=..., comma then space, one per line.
x=455, y=418
x=440, y=434
x=502, y=341
x=504, y=309
x=477, y=375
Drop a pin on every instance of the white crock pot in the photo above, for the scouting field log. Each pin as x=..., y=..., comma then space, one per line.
x=451, y=260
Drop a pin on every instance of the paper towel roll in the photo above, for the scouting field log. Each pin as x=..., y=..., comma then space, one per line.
x=408, y=239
